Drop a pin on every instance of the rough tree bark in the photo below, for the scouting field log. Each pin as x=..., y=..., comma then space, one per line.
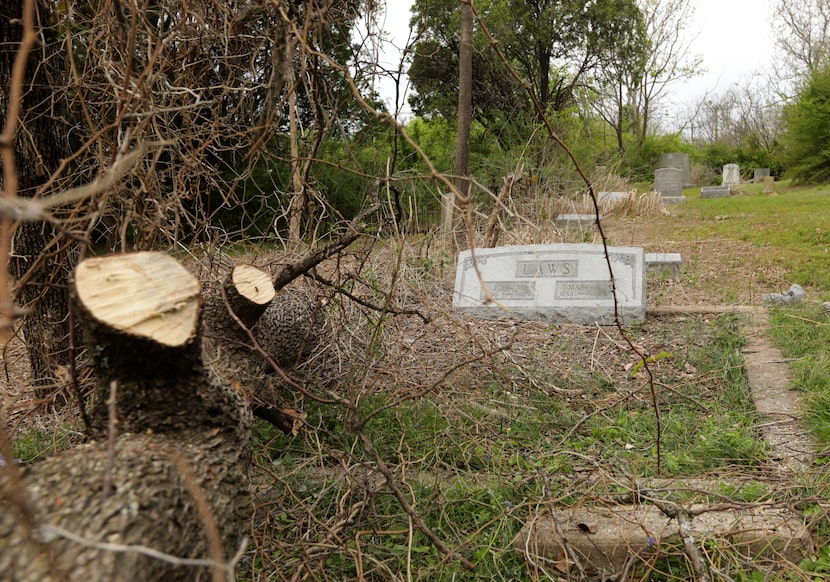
x=250, y=329
x=41, y=260
x=174, y=480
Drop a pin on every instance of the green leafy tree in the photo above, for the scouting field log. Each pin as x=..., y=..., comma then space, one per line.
x=553, y=45
x=807, y=130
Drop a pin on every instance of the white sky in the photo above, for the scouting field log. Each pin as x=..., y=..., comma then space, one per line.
x=732, y=36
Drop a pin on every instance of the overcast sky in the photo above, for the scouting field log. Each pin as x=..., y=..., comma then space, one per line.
x=732, y=36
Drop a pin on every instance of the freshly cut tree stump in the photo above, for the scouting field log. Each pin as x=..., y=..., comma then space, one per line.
x=249, y=291
x=143, y=294
x=168, y=473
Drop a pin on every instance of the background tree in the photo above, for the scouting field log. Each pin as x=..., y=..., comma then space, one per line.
x=454, y=205
x=553, y=45
x=637, y=78
x=807, y=129
x=42, y=255
x=802, y=36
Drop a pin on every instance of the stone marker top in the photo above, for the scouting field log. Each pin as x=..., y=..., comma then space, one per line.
x=567, y=283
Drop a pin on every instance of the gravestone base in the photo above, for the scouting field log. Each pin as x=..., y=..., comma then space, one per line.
x=576, y=220
x=715, y=192
x=660, y=262
x=604, y=538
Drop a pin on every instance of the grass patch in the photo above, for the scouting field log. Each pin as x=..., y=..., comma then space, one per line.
x=35, y=444
x=803, y=332
x=561, y=417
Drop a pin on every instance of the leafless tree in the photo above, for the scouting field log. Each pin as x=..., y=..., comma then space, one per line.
x=801, y=36
x=746, y=114
x=635, y=85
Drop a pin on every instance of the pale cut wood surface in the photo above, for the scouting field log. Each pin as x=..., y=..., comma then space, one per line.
x=253, y=284
x=146, y=294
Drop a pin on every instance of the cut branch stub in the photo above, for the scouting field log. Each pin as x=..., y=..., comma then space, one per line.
x=249, y=291
x=145, y=294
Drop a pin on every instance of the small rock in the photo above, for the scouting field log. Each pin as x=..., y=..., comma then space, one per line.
x=791, y=297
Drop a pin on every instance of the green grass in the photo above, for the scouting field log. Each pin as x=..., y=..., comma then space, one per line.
x=478, y=456
x=791, y=228
x=803, y=333
x=33, y=445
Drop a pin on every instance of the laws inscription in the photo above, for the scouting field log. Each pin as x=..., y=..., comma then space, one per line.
x=559, y=283
x=567, y=268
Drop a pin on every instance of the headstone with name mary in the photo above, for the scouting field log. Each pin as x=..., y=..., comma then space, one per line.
x=731, y=175
x=669, y=182
x=560, y=283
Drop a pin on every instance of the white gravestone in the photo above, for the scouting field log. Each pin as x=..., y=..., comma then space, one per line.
x=731, y=175
x=561, y=283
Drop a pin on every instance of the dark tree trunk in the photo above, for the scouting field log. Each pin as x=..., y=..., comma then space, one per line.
x=41, y=259
x=453, y=221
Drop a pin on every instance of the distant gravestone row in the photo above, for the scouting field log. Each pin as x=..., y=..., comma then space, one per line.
x=671, y=176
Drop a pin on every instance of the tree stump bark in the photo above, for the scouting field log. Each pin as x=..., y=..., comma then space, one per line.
x=249, y=328
x=174, y=481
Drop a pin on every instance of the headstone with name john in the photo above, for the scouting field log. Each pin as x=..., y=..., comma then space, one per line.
x=669, y=182
x=759, y=174
x=560, y=283
x=731, y=175
x=675, y=160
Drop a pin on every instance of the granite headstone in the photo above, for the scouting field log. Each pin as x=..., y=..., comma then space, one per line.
x=562, y=283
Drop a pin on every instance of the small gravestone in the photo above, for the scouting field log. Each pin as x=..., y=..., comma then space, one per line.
x=675, y=160
x=731, y=175
x=669, y=182
x=663, y=262
x=611, y=197
x=561, y=283
x=715, y=192
x=759, y=174
x=576, y=220
x=769, y=185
